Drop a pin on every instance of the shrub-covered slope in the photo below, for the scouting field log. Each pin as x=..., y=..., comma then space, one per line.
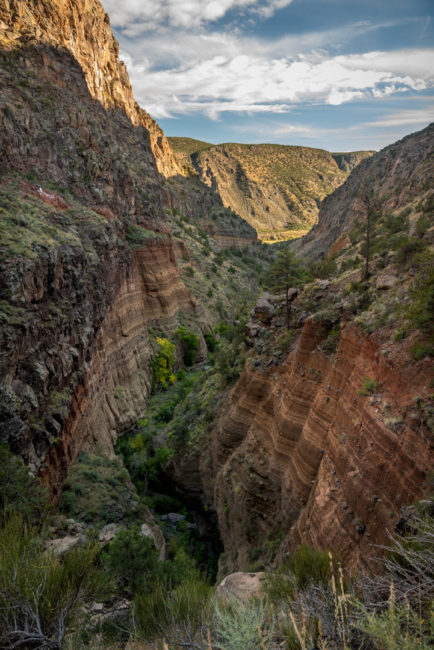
x=275, y=188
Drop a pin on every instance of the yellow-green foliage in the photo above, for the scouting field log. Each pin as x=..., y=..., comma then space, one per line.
x=163, y=363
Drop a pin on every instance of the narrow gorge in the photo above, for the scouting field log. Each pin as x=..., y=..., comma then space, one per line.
x=154, y=374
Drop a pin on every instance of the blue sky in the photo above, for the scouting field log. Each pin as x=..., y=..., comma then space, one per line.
x=336, y=74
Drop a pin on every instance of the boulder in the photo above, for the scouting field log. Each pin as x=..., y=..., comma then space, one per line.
x=63, y=545
x=108, y=532
x=252, y=329
x=264, y=310
x=293, y=293
x=154, y=533
x=241, y=586
x=386, y=281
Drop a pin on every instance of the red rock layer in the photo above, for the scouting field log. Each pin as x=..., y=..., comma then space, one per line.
x=117, y=381
x=300, y=454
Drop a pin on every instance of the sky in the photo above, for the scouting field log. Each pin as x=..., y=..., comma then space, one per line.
x=341, y=75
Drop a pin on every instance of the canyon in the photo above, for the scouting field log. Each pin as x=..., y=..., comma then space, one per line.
x=276, y=189
x=109, y=241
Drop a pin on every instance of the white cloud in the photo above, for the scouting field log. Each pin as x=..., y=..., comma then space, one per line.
x=150, y=14
x=404, y=118
x=234, y=79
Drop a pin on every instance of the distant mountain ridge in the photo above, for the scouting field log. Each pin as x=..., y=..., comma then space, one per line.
x=277, y=189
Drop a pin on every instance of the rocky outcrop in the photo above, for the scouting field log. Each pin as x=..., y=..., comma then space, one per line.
x=396, y=176
x=274, y=188
x=302, y=452
x=86, y=258
x=83, y=28
x=118, y=379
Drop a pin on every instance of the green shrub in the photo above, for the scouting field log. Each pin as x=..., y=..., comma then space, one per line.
x=132, y=560
x=305, y=566
x=239, y=626
x=42, y=595
x=190, y=341
x=396, y=223
x=422, y=225
x=181, y=616
x=421, y=350
x=309, y=565
x=211, y=342
x=408, y=248
x=285, y=340
x=370, y=386
x=420, y=312
x=19, y=492
x=137, y=236
x=98, y=491
x=331, y=343
x=323, y=269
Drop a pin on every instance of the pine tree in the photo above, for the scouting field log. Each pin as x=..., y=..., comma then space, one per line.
x=286, y=272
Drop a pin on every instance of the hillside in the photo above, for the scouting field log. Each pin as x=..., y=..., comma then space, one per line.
x=398, y=176
x=187, y=460
x=277, y=189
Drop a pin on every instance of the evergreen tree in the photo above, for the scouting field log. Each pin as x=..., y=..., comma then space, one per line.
x=286, y=272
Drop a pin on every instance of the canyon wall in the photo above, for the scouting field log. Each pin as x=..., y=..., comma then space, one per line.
x=87, y=261
x=82, y=27
x=117, y=381
x=394, y=176
x=301, y=452
x=274, y=188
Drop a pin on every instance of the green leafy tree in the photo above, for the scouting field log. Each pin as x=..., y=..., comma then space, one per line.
x=163, y=363
x=190, y=342
x=286, y=272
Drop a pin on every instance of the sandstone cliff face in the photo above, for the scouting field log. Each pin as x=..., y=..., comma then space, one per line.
x=274, y=188
x=83, y=28
x=301, y=455
x=118, y=377
x=87, y=263
x=395, y=175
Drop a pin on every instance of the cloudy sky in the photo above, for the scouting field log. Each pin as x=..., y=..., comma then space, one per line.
x=338, y=74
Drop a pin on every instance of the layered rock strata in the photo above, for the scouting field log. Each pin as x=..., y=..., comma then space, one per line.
x=87, y=263
x=301, y=452
x=118, y=378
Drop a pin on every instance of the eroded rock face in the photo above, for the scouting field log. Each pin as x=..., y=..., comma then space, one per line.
x=83, y=28
x=80, y=290
x=117, y=381
x=302, y=453
x=395, y=175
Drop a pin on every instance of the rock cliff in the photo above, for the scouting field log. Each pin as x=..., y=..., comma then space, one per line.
x=396, y=175
x=302, y=454
x=275, y=188
x=87, y=260
x=328, y=443
x=83, y=28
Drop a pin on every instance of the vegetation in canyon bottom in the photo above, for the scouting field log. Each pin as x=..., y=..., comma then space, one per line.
x=50, y=601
